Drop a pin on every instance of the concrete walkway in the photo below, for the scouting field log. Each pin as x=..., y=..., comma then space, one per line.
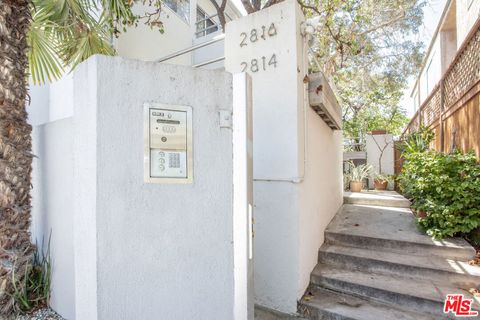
x=376, y=264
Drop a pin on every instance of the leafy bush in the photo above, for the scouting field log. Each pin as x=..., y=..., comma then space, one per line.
x=444, y=189
x=390, y=178
x=360, y=172
x=418, y=141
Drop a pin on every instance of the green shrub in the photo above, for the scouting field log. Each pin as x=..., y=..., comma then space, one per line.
x=418, y=141
x=474, y=238
x=444, y=189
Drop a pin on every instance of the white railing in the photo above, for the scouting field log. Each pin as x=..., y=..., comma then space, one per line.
x=216, y=26
x=216, y=39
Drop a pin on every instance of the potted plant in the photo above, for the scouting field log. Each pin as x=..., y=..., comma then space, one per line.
x=381, y=181
x=378, y=131
x=357, y=175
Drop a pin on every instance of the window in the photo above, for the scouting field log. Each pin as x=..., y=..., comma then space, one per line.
x=180, y=7
x=205, y=24
x=415, y=101
x=429, y=75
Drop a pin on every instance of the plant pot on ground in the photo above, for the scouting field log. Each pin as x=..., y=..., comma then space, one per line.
x=381, y=181
x=380, y=185
x=356, y=186
x=379, y=131
x=357, y=175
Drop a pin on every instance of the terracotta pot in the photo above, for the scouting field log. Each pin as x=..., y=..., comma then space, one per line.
x=356, y=186
x=421, y=214
x=380, y=184
x=380, y=131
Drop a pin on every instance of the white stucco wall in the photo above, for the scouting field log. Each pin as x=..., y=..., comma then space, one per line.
x=52, y=209
x=321, y=193
x=431, y=73
x=277, y=160
x=243, y=197
x=277, y=118
x=374, y=151
x=276, y=263
x=468, y=11
x=294, y=198
x=51, y=101
x=144, y=43
x=38, y=106
x=448, y=40
x=158, y=247
x=124, y=249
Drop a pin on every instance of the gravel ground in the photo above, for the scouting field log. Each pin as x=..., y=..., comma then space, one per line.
x=42, y=314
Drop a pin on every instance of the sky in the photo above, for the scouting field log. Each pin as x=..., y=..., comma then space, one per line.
x=432, y=12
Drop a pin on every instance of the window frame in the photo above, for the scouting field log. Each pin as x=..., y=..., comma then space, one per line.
x=205, y=19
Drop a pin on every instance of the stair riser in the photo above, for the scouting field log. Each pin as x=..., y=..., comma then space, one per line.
x=319, y=314
x=397, y=246
x=378, y=202
x=385, y=267
x=402, y=301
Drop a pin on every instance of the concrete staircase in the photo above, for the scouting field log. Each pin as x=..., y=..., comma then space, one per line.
x=376, y=264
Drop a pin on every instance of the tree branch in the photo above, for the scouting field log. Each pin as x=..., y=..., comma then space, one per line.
x=248, y=6
x=385, y=24
x=220, y=12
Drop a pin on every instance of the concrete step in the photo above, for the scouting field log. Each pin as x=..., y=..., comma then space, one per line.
x=393, y=229
x=422, y=296
x=385, y=262
x=264, y=313
x=326, y=304
x=376, y=198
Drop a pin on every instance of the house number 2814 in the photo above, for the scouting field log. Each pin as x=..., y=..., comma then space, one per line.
x=263, y=63
x=255, y=34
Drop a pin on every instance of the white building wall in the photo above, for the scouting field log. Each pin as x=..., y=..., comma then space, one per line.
x=468, y=11
x=52, y=208
x=50, y=114
x=448, y=40
x=276, y=263
x=159, y=247
x=144, y=43
x=432, y=72
x=89, y=191
x=38, y=106
x=297, y=181
x=321, y=192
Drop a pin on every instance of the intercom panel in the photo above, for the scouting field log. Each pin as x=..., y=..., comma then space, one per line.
x=168, y=143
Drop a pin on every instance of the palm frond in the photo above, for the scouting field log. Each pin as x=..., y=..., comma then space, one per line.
x=45, y=64
x=66, y=32
x=77, y=46
x=63, y=34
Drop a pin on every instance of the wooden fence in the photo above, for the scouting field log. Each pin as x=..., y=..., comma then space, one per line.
x=452, y=110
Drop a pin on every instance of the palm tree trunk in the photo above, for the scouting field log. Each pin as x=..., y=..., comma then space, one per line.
x=15, y=149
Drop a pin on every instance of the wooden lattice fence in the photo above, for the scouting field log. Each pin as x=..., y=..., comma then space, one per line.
x=452, y=109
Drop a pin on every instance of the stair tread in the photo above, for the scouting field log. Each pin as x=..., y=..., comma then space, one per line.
x=382, y=198
x=352, y=307
x=392, y=224
x=422, y=289
x=445, y=264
